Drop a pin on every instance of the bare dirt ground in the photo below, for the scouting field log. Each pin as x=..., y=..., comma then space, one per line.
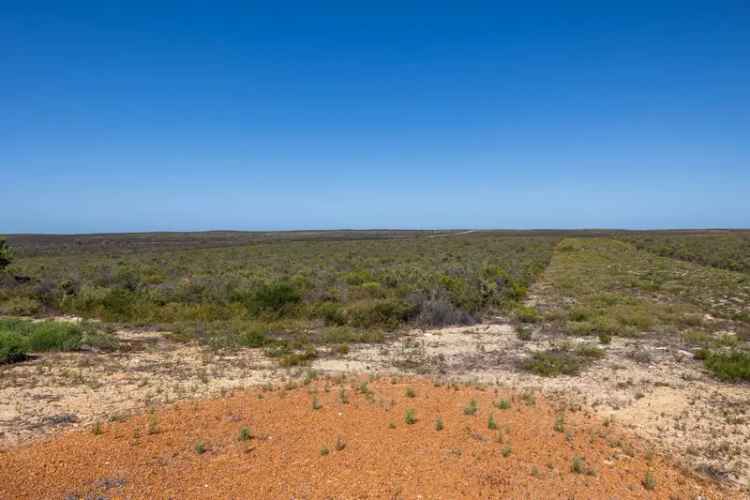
x=651, y=389
x=345, y=438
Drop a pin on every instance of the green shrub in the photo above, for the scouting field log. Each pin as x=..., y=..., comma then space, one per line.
x=472, y=408
x=702, y=354
x=18, y=337
x=649, y=482
x=45, y=335
x=491, y=424
x=20, y=306
x=119, y=304
x=253, y=337
x=347, y=335
x=439, y=312
x=580, y=328
x=553, y=362
x=54, y=336
x=578, y=466
x=331, y=312
x=356, y=278
x=6, y=254
x=524, y=334
x=13, y=347
x=245, y=434
x=298, y=358
x=590, y=351
x=526, y=314
x=579, y=314
x=503, y=404
x=410, y=417
x=387, y=313
x=732, y=366
x=275, y=297
x=200, y=447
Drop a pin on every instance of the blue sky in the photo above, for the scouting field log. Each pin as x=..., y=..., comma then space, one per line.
x=125, y=116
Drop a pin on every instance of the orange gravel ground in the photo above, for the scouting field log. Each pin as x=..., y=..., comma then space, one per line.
x=154, y=455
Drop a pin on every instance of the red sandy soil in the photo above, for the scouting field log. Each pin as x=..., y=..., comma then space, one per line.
x=154, y=455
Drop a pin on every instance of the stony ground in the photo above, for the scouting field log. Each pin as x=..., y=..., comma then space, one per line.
x=648, y=388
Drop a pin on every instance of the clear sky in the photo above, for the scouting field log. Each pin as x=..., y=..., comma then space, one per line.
x=124, y=116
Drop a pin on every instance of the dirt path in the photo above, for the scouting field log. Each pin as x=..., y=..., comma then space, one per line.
x=389, y=438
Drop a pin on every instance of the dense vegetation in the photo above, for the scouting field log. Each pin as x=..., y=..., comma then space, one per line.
x=18, y=338
x=723, y=249
x=288, y=284
x=605, y=286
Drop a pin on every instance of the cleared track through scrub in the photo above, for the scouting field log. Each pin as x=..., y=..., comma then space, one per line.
x=350, y=438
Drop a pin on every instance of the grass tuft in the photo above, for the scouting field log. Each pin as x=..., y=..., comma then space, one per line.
x=471, y=408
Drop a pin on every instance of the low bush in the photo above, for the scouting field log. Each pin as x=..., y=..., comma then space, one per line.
x=331, y=313
x=561, y=360
x=731, y=366
x=526, y=314
x=52, y=336
x=436, y=313
x=298, y=358
x=20, y=306
x=45, y=335
x=6, y=254
x=13, y=347
x=275, y=297
x=19, y=337
x=388, y=313
x=590, y=351
x=253, y=337
x=524, y=333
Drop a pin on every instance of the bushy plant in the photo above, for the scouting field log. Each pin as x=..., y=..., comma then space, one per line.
x=18, y=337
x=439, y=312
x=54, y=336
x=554, y=362
x=6, y=254
x=732, y=366
x=389, y=313
x=13, y=347
x=526, y=314
x=275, y=297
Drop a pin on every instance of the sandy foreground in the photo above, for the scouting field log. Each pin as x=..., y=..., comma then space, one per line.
x=348, y=437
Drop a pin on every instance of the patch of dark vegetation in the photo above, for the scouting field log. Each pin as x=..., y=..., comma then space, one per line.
x=65, y=418
x=440, y=312
x=6, y=254
x=562, y=360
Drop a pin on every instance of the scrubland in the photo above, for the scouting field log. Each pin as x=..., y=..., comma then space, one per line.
x=645, y=334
